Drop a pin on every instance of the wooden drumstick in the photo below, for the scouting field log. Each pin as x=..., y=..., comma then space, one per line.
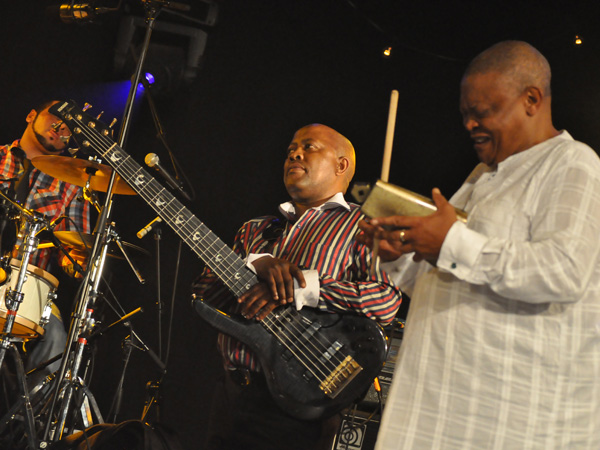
x=387, y=157
x=389, y=137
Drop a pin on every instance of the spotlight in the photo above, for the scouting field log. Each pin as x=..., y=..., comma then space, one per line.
x=578, y=40
x=387, y=52
x=149, y=78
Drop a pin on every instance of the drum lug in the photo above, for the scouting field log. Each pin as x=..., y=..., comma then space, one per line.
x=47, y=312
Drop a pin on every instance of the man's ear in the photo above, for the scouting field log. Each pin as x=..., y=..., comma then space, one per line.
x=31, y=116
x=533, y=100
x=343, y=165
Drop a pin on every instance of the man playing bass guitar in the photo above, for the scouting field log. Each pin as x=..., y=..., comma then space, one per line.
x=307, y=259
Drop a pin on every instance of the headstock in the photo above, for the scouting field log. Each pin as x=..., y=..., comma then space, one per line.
x=87, y=131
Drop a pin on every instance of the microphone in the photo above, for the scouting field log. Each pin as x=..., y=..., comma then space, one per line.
x=79, y=12
x=152, y=160
x=148, y=228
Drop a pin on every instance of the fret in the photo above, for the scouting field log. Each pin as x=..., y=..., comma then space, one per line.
x=224, y=262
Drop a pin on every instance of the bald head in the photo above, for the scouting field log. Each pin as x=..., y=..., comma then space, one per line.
x=342, y=146
x=320, y=163
x=519, y=63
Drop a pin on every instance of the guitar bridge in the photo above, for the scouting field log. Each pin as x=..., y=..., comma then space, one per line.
x=343, y=374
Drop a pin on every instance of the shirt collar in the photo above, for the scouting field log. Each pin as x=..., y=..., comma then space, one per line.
x=289, y=210
x=518, y=158
x=16, y=150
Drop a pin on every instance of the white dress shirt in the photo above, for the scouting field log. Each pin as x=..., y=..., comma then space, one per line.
x=502, y=342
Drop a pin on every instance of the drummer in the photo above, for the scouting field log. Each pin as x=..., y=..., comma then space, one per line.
x=38, y=191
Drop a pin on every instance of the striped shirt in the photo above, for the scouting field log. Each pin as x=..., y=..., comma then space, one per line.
x=322, y=239
x=48, y=196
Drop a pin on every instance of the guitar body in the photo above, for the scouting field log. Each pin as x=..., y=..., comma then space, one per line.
x=294, y=388
x=315, y=363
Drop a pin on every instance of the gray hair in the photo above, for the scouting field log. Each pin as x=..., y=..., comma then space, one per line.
x=520, y=63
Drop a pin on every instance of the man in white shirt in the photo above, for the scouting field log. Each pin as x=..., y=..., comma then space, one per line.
x=502, y=342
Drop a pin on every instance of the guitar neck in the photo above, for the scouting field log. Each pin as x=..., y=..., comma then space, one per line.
x=223, y=261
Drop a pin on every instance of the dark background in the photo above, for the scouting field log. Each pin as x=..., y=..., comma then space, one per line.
x=270, y=67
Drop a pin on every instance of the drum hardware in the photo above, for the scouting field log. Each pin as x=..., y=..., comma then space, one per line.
x=84, y=242
x=68, y=388
x=47, y=309
x=34, y=222
x=91, y=175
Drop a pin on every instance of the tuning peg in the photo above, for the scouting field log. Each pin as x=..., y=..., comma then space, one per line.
x=112, y=123
x=99, y=115
x=86, y=106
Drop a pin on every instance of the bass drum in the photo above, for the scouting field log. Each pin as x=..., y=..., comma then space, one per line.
x=38, y=292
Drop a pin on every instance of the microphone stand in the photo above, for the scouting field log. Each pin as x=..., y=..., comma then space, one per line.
x=159, y=303
x=81, y=319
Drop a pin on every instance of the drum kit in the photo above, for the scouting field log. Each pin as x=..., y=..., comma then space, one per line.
x=27, y=297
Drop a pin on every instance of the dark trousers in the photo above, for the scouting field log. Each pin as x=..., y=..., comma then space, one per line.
x=246, y=417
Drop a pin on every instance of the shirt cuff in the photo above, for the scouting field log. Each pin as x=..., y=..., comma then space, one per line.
x=253, y=257
x=308, y=296
x=460, y=250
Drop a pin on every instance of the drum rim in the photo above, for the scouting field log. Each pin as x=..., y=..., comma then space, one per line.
x=35, y=330
x=14, y=262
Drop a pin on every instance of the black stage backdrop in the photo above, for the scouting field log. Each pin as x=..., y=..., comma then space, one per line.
x=269, y=68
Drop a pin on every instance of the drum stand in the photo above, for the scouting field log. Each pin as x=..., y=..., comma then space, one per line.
x=67, y=387
x=14, y=297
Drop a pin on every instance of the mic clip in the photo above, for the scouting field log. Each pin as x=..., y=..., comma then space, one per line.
x=148, y=228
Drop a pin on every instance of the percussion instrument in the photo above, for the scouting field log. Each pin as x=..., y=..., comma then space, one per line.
x=39, y=291
x=80, y=172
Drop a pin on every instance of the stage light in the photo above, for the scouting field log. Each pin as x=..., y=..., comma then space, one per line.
x=175, y=52
x=387, y=52
x=149, y=78
x=578, y=40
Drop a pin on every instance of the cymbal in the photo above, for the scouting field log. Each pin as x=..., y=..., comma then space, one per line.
x=77, y=171
x=74, y=239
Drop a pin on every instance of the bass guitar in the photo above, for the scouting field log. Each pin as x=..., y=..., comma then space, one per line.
x=315, y=363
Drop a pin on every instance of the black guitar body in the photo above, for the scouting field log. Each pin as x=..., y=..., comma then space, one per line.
x=295, y=388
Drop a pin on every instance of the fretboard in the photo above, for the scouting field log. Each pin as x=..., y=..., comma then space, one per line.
x=223, y=261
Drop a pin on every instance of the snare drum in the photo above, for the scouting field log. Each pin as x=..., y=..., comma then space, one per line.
x=34, y=311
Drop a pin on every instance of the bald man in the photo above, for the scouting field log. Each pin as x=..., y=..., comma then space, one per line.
x=308, y=258
x=502, y=342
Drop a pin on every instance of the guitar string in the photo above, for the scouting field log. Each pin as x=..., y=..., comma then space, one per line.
x=293, y=347
x=313, y=358
x=340, y=375
x=176, y=210
x=328, y=364
x=298, y=329
x=168, y=208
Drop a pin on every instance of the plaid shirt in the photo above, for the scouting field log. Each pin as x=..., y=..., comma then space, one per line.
x=323, y=240
x=48, y=196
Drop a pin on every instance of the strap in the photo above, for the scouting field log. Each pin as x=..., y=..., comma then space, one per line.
x=22, y=188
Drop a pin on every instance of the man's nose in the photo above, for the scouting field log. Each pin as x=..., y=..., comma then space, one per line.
x=470, y=123
x=295, y=155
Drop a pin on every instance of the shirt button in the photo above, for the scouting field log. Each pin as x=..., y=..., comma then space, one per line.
x=453, y=266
